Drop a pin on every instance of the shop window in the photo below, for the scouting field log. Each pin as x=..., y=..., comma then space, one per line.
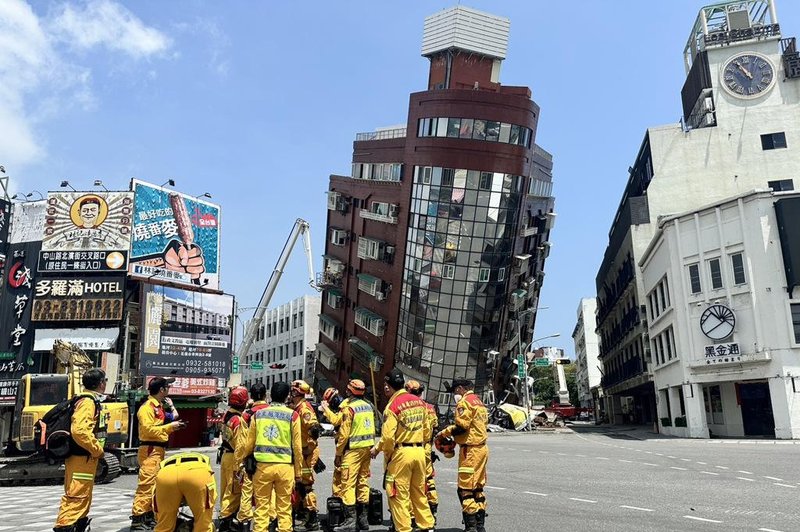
x=712, y=396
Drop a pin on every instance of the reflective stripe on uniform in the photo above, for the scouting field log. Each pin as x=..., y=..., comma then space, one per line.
x=466, y=469
x=273, y=450
x=82, y=476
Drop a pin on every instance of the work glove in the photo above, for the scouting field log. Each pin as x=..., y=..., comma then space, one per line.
x=434, y=457
x=320, y=466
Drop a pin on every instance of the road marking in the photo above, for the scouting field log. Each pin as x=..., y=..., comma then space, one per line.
x=582, y=500
x=685, y=460
x=581, y=455
x=747, y=479
x=745, y=472
x=545, y=452
x=659, y=454
x=773, y=478
x=671, y=457
x=768, y=530
x=560, y=454
x=785, y=485
x=601, y=458
x=627, y=461
x=637, y=508
x=679, y=468
x=526, y=450
x=709, y=473
x=494, y=488
x=534, y=493
x=721, y=467
x=702, y=463
x=651, y=465
x=701, y=519
x=649, y=452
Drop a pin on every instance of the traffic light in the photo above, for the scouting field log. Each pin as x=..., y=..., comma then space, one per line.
x=277, y=366
x=563, y=361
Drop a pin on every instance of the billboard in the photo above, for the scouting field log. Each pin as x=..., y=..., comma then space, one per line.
x=185, y=332
x=27, y=222
x=5, y=220
x=78, y=298
x=87, y=231
x=175, y=237
x=192, y=386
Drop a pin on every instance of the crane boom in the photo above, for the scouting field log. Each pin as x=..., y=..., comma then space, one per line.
x=301, y=227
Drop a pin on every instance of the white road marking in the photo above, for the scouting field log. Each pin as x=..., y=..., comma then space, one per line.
x=671, y=457
x=747, y=479
x=494, y=488
x=702, y=463
x=721, y=467
x=545, y=452
x=679, y=468
x=709, y=473
x=701, y=519
x=627, y=461
x=685, y=460
x=785, y=485
x=768, y=530
x=651, y=465
x=581, y=455
x=561, y=454
x=601, y=458
x=582, y=500
x=773, y=478
x=637, y=508
x=745, y=472
x=659, y=454
x=648, y=452
x=534, y=493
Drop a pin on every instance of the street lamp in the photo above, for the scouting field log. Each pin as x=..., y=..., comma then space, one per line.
x=203, y=195
x=521, y=360
x=99, y=183
x=65, y=184
x=170, y=182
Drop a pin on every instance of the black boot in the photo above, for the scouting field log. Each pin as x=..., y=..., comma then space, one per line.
x=310, y=524
x=350, y=524
x=481, y=521
x=138, y=524
x=273, y=526
x=434, y=509
x=470, y=522
x=225, y=524
x=361, y=516
x=150, y=519
x=82, y=525
x=245, y=526
x=70, y=528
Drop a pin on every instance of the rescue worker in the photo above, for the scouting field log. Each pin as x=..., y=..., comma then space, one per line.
x=332, y=405
x=234, y=436
x=87, y=428
x=185, y=476
x=309, y=434
x=273, y=439
x=469, y=431
x=354, y=440
x=156, y=423
x=416, y=388
x=258, y=395
x=403, y=444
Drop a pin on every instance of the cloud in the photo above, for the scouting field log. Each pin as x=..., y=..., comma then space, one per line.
x=39, y=82
x=216, y=41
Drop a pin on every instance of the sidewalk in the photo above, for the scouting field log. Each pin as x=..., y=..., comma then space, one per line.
x=628, y=432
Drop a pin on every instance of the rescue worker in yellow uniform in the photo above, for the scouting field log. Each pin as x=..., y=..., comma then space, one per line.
x=87, y=428
x=185, y=477
x=354, y=440
x=234, y=436
x=403, y=444
x=416, y=388
x=156, y=423
x=258, y=394
x=331, y=406
x=469, y=431
x=273, y=439
x=309, y=434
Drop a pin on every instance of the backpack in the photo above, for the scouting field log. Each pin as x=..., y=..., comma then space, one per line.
x=52, y=434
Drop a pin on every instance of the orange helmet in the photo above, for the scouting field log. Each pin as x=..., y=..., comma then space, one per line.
x=300, y=387
x=357, y=387
x=329, y=394
x=446, y=446
x=238, y=397
x=414, y=387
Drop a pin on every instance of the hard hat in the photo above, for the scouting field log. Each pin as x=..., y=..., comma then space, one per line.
x=414, y=387
x=446, y=446
x=238, y=397
x=357, y=387
x=300, y=387
x=329, y=394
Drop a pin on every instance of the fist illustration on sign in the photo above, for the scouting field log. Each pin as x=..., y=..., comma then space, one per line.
x=180, y=257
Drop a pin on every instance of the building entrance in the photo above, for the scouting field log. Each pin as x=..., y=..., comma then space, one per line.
x=756, y=409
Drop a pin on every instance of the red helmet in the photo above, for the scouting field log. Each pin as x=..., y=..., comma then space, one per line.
x=329, y=394
x=238, y=397
x=446, y=446
x=357, y=387
x=414, y=387
x=300, y=388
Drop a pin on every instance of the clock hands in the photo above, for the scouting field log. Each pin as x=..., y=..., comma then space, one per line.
x=743, y=70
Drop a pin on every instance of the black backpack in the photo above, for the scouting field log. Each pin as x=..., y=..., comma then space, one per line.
x=52, y=433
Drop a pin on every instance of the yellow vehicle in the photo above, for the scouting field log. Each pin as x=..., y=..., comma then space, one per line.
x=36, y=395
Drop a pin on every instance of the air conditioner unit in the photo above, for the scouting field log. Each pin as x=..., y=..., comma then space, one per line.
x=707, y=121
x=380, y=296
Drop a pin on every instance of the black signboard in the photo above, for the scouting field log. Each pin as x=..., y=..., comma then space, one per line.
x=78, y=298
x=82, y=261
x=5, y=218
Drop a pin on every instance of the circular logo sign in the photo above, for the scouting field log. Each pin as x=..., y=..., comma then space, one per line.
x=115, y=260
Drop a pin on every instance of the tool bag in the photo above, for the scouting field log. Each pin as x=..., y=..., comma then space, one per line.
x=52, y=433
x=335, y=508
x=375, y=507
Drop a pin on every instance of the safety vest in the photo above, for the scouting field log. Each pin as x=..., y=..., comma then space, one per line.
x=362, y=431
x=274, y=435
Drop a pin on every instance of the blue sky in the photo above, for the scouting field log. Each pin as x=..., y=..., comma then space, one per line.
x=258, y=103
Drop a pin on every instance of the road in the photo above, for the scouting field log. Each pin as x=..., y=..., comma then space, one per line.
x=588, y=480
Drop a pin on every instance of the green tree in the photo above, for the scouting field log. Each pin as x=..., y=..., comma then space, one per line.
x=545, y=385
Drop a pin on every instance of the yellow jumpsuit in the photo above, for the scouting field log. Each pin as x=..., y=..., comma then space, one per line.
x=189, y=477
x=274, y=478
x=469, y=432
x=308, y=419
x=335, y=419
x=246, y=505
x=234, y=434
x=430, y=473
x=403, y=445
x=153, y=437
x=80, y=470
x=355, y=459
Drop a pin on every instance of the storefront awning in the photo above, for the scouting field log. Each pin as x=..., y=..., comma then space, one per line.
x=87, y=339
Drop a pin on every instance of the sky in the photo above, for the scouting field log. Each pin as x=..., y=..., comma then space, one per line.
x=258, y=103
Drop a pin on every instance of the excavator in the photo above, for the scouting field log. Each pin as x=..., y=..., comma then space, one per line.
x=36, y=395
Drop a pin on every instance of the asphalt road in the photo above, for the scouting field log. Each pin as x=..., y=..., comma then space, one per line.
x=604, y=481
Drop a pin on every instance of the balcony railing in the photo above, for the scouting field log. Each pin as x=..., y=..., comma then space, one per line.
x=385, y=218
x=383, y=134
x=326, y=279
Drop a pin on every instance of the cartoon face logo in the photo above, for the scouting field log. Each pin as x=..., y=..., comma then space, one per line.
x=89, y=211
x=271, y=432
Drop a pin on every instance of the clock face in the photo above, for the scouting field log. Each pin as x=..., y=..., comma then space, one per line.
x=717, y=322
x=748, y=75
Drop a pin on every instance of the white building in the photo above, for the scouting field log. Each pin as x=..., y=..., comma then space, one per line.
x=739, y=132
x=287, y=336
x=587, y=347
x=724, y=327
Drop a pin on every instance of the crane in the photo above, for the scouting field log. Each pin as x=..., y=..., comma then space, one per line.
x=301, y=227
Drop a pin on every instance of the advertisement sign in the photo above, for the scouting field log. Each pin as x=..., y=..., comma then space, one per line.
x=78, y=298
x=5, y=220
x=175, y=237
x=85, y=338
x=27, y=222
x=192, y=386
x=185, y=333
x=80, y=225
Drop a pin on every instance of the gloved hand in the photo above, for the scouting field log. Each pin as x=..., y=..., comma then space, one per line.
x=320, y=466
x=299, y=487
x=337, y=461
x=219, y=455
x=434, y=457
